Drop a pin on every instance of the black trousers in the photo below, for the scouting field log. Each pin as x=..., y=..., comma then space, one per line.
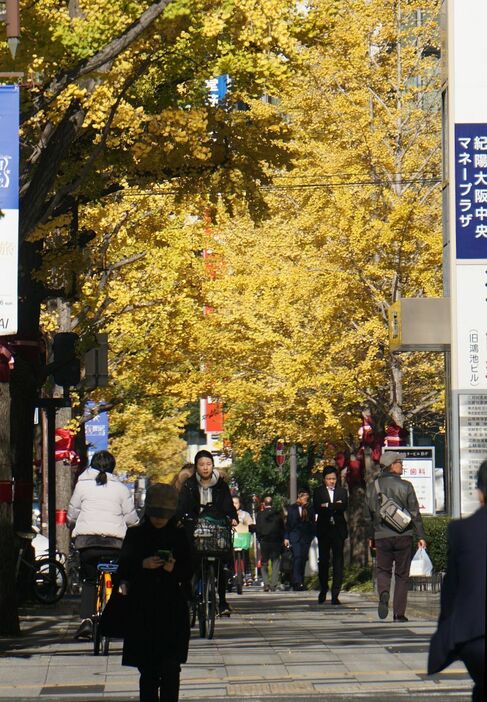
x=300, y=556
x=89, y=559
x=330, y=541
x=473, y=655
x=160, y=684
x=397, y=550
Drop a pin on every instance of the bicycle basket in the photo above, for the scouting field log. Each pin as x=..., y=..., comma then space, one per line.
x=212, y=538
x=242, y=540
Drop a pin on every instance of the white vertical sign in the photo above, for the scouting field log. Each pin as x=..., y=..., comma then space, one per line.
x=9, y=207
x=467, y=188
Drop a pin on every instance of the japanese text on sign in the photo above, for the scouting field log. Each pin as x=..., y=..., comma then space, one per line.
x=471, y=190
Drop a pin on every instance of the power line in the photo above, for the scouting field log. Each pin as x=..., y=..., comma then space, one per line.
x=297, y=186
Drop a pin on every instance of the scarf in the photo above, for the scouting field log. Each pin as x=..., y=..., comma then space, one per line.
x=206, y=492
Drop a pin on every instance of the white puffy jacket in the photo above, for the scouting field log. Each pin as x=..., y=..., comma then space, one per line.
x=104, y=510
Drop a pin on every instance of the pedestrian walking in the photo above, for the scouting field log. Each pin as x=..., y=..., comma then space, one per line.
x=99, y=511
x=299, y=533
x=393, y=546
x=155, y=568
x=269, y=529
x=206, y=493
x=461, y=626
x=244, y=520
x=330, y=502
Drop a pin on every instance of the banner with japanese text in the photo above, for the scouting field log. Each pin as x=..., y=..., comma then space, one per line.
x=9, y=207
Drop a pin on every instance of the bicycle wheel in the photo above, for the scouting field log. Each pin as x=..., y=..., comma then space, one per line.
x=96, y=636
x=201, y=606
x=101, y=643
x=239, y=576
x=210, y=602
x=49, y=581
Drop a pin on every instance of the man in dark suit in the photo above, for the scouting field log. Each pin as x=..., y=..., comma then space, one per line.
x=330, y=502
x=461, y=625
x=299, y=533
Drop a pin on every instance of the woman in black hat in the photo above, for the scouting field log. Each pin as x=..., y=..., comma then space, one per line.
x=155, y=567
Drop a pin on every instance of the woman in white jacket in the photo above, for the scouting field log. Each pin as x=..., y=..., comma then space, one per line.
x=100, y=510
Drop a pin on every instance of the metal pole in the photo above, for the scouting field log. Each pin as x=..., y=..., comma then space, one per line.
x=51, y=479
x=293, y=475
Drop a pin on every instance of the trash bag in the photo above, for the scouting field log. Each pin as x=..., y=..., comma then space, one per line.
x=421, y=565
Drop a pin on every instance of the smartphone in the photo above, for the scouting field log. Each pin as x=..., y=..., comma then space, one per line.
x=164, y=554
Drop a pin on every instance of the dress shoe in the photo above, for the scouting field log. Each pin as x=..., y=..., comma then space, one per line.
x=85, y=630
x=400, y=618
x=321, y=597
x=266, y=588
x=335, y=601
x=383, y=608
x=224, y=609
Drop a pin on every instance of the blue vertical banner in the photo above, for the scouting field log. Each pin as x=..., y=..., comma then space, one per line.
x=9, y=206
x=96, y=431
x=218, y=88
x=471, y=190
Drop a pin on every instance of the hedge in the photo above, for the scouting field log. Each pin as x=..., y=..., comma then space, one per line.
x=436, y=539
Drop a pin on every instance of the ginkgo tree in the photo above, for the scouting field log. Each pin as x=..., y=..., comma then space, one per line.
x=115, y=96
x=298, y=342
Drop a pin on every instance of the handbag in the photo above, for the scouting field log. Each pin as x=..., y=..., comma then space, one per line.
x=113, y=620
x=394, y=515
x=286, y=565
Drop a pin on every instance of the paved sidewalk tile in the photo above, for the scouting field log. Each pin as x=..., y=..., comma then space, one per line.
x=275, y=647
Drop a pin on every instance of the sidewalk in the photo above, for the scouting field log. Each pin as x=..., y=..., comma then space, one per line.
x=280, y=646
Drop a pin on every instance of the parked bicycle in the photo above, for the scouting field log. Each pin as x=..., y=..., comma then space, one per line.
x=213, y=544
x=104, y=587
x=42, y=578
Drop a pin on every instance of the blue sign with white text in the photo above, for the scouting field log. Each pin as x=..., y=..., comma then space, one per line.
x=471, y=190
x=96, y=432
x=9, y=147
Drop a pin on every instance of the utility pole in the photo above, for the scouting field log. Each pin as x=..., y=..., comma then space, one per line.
x=293, y=474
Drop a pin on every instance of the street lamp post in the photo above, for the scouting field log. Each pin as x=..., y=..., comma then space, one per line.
x=11, y=16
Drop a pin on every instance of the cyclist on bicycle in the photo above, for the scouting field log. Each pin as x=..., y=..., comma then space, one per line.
x=100, y=510
x=206, y=493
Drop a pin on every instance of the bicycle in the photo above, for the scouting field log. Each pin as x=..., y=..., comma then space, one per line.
x=242, y=540
x=104, y=587
x=212, y=541
x=46, y=578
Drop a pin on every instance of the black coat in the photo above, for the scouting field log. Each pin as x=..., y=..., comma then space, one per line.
x=189, y=499
x=269, y=527
x=297, y=530
x=463, y=593
x=158, y=619
x=335, y=509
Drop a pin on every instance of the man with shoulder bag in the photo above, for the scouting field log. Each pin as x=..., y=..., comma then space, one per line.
x=392, y=512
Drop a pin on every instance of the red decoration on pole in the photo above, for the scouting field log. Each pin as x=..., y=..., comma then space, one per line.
x=61, y=516
x=280, y=456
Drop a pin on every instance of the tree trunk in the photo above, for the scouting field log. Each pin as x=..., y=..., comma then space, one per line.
x=356, y=526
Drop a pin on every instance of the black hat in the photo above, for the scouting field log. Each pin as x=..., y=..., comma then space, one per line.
x=161, y=500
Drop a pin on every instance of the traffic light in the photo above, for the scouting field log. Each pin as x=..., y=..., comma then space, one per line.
x=66, y=370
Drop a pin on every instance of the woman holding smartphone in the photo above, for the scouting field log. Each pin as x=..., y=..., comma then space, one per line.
x=154, y=570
